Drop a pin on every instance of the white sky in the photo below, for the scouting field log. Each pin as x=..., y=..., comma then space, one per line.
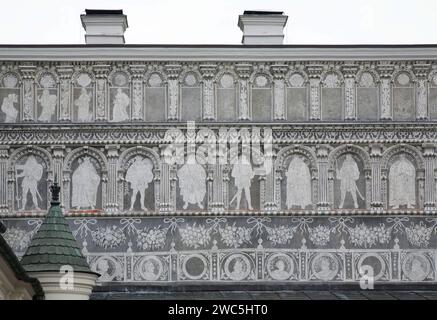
x=215, y=21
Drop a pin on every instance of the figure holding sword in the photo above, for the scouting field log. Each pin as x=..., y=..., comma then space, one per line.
x=31, y=173
x=348, y=176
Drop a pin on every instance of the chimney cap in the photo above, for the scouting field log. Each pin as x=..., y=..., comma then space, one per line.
x=103, y=11
x=104, y=26
x=262, y=12
x=262, y=27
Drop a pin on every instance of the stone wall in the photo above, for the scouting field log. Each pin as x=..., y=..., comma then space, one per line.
x=352, y=180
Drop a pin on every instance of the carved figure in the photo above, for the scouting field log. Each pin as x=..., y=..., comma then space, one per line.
x=298, y=183
x=8, y=108
x=85, y=184
x=48, y=104
x=402, y=183
x=139, y=175
x=31, y=173
x=243, y=174
x=121, y=102
x=348, y=176
x=192, y=182
x=83, y=106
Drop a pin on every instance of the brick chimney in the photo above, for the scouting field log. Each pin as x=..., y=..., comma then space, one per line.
x=104, y=26
x=262, y=27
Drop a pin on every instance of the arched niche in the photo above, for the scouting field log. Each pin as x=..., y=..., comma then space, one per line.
x=349, y=183
x=83, y=96
x=30, y=172
x=47, y=96
x=155, y=96
x=297, y=95
x=367, y=95
x=332, y=95
x=404, y=96
x=85, y=172
x=145, y=163
x=10, y=96
x=190, y=81
x=403, y=179
x=120, y=102
x=261, y=97
x=226, y=84
x=286, y=163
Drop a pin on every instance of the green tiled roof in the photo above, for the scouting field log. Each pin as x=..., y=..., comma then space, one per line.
x=54, y=245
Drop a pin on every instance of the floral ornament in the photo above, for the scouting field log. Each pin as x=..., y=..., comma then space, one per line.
x=233, y=236
x=418, y=234
x=195, y=236
x=17, y=238
x=151, y=239
x=319, y=235
x=108, y=237
x=280, y=235
x=361, y=235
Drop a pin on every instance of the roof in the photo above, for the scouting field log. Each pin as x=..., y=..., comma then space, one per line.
x=54, y=245
x=11, y=259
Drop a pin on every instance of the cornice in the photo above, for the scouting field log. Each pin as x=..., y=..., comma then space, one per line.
x=214, y=53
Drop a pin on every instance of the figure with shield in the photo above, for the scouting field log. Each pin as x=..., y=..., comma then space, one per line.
x=31, y=172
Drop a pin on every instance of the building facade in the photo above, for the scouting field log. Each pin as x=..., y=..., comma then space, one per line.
x=341, y=173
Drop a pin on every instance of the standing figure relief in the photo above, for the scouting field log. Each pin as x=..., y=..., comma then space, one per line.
x=192, y=182
x=243, y=174
x=139, y=175
x=83, y=106
x=8, y=108
x=121, y=103
x=402, y=183
x=48, y=104
x=298, y=184
x=31, y=172
x=86, y=182
x=348, y=175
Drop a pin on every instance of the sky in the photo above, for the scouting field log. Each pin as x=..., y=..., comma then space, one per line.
x=215, y=22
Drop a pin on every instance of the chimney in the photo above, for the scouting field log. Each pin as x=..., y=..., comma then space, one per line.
x=104, y=26
x=262, y=27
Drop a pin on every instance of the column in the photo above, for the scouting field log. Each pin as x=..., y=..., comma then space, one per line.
x=349, y=72
x=429, y=155
x=385, y=74
x=208, y=73
x=421, y=71
x=4, y=159
x=376, y=204
x=101, y=73
x=279, y=72
x=65, y=72
x=111, y=196
x=314, y=73
x=28, y=74
x=243, y=70
x=173, y=72
x=165, y=204
x=322, y=162
x=137, y=91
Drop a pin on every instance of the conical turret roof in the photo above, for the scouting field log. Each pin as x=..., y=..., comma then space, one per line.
x=54, y=245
